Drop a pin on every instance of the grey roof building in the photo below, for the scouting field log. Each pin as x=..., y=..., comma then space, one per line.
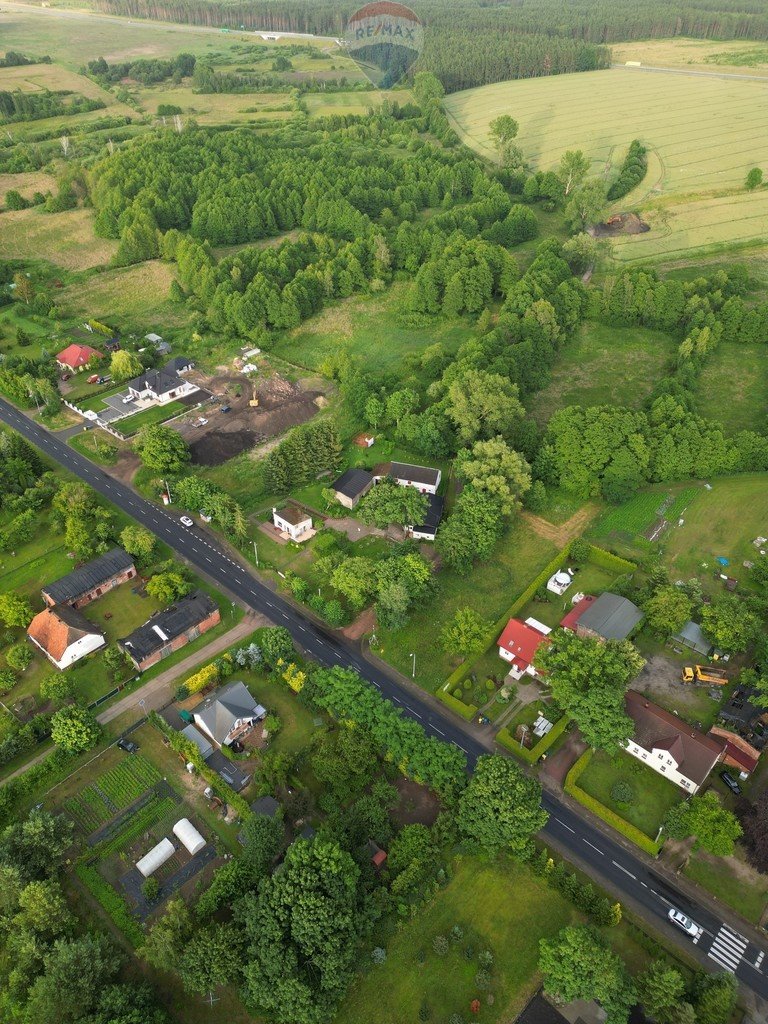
x=351, y=486
x=228, y=713
x=89, y=577
x=428, y=528
x=203, y=745
x=156, y=382
x=609, y=617
x=179, y=364
x=692, y=636
x=266, y=806
x=171, y=628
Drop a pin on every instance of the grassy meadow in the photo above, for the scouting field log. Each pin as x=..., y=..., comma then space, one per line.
x=65, y=239
x=733, y=387
x=136, y=297
x=696, y=165
x=585, y=373
x=734, y=57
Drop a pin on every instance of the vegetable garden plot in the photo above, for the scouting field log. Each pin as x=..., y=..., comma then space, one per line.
x=111, y=792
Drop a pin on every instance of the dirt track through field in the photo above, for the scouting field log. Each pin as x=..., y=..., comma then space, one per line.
x=565, y=532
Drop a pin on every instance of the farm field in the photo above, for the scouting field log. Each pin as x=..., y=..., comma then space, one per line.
x=585, y=372
x=66, y=239
x=732, y=57
x=367, y=328
x=600, y=112
x=324, y=104
x=733, y=387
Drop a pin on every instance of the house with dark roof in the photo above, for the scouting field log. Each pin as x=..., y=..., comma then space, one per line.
x=76, y=357
x=519, y=643
x=170, y=629
x=692, y=636
x=266, y=806
x=91, y=580
x=423, y=478
x=229, y=714
x=740, y=710
x=351, y=486
x=609, y=617
x=427, y=529
x=161, y=386
x=670, y=746
x=64, y=635
x=179, y=364
x=577, y=610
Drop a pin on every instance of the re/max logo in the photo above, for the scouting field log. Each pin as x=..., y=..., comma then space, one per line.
x=385, y=29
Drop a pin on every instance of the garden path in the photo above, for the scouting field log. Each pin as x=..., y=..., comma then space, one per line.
x=564, y=532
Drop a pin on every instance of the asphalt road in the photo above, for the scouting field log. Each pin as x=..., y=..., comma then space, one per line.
x=718, y=945
x=687, y=71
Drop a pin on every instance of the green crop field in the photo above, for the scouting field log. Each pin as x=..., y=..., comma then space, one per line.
x=690, y=157
x=585, y=373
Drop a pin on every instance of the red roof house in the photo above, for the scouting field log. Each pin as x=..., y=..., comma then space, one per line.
x=518, y=645
x=573, y=616
x=75, y=357
x=738, y=753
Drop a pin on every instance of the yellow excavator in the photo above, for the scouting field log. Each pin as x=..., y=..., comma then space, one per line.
x=705, y=674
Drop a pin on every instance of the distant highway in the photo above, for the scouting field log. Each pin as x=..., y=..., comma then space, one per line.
x=636, y=879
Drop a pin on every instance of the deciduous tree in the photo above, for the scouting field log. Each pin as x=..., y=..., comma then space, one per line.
x=75, y=729
x=138, y=541
x=668, y=610
x=15, y=610
x=494, y=467
x=577, y=964
x=124, y=365
x=162, y=448
x=574, y=167
x=714, y=827
x=464, y=634
x=500, y=810
x=730, y=623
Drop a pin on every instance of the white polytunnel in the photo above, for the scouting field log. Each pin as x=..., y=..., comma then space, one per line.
x=157, y=856
x=186, y=832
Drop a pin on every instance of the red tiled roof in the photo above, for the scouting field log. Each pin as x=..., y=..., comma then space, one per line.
x=76, y=356
x=569, y=621
x=56, y=629
x=737, y=751
x=379, y=858
x=522, y=641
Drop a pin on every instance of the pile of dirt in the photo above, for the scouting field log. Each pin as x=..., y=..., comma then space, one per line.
x=621, y=224
x=218, y=447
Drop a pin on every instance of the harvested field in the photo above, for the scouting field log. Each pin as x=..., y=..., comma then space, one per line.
x=220, y=108
x=737, y=57
x=282, y=405
x=67, y=238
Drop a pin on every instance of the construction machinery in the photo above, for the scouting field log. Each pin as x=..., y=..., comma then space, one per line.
x=705, y=674
x=254, y=401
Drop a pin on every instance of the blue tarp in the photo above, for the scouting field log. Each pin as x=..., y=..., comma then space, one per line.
x=722, y=561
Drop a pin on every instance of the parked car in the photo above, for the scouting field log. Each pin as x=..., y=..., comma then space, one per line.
x=731, y=783
x=104, y=380
x=202, y=421
x=186, y=521
x=94, y=378
x=127, y=399
x=685, y=923
x=226, y=408
x=128, y=746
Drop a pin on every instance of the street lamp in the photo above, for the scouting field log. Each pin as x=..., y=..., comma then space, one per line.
x=168, y=492
x=413, y=672
x=256, y=553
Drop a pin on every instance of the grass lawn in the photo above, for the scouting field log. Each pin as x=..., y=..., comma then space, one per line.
x=501, y=907
x=654, y=795
x=98, y=446
x=489, y=588
x=586, y=371
x=733, y=388
x=732, y=880
x=90, y=397
x=720, y=522
x=156, y=414
x=367, y=327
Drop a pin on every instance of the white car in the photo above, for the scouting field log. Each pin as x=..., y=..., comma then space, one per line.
x=685, y=923
x=186, y=521
x=202, y=421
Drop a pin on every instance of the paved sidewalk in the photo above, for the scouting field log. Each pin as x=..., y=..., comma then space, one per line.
x=159, y=691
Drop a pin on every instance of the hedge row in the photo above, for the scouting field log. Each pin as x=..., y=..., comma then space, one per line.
x=607, y=560
x=531, y=756
x=112, y=902
x=461, y=673
x=633, y=169
x=610, y=817
x=465, y=710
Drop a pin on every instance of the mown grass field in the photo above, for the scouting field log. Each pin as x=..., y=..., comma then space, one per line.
x=736, y=57
x=218, y=108
x=585, y=372
x=66, y=239
x=697, y=165
x=323, y=104
x=136, y=297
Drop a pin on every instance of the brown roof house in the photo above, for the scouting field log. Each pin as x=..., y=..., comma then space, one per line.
x=670, y=746
x=293, y=523
x=64, y=635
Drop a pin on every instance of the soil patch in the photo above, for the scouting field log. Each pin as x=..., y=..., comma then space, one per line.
x=621, y=224
x=282, y=405
x=417, y=804
x=364, y=623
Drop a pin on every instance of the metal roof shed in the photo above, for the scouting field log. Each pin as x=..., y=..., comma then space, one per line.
x=156, y=857
x=186, y=833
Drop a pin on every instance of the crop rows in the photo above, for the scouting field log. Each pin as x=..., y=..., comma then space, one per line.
x=681, y=503
x=111, y=792
x=148, y=816
x=633, y=517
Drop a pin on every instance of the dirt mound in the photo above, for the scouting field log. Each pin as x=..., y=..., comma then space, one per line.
x=213, y=449
x=621, y=224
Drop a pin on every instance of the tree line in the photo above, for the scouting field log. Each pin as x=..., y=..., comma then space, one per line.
x=34, y=106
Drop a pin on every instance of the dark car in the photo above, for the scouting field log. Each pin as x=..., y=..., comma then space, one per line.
x=128, y=746
x=226, y=408
x=731, y=783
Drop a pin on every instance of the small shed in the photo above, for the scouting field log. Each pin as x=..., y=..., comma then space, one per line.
x=156, y=857
x=187, y=834
x=692, y=636
x=190, y=732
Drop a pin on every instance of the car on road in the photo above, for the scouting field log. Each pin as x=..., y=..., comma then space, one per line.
x=128, y=746
x=731, y=783
x=685, y=923
x=186, y=521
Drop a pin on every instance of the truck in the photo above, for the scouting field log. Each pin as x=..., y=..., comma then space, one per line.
x=705, y=674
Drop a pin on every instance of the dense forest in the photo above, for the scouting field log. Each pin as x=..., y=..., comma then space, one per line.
x=470, y=43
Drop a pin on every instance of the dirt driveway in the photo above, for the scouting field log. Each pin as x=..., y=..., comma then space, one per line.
x=660, y=680
x=282, y=405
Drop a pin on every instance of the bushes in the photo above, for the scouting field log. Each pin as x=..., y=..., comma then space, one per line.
x=531, y=756
x=455, y=704
x=610, y=817
x=607, y=560
x=114, y=904
x=632, y=171
x=207, y=676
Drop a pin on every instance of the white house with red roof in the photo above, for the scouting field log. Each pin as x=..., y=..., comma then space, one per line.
x=519, y=643
x=76, y=357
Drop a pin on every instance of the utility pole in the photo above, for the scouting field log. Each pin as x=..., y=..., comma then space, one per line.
x=413, y=672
